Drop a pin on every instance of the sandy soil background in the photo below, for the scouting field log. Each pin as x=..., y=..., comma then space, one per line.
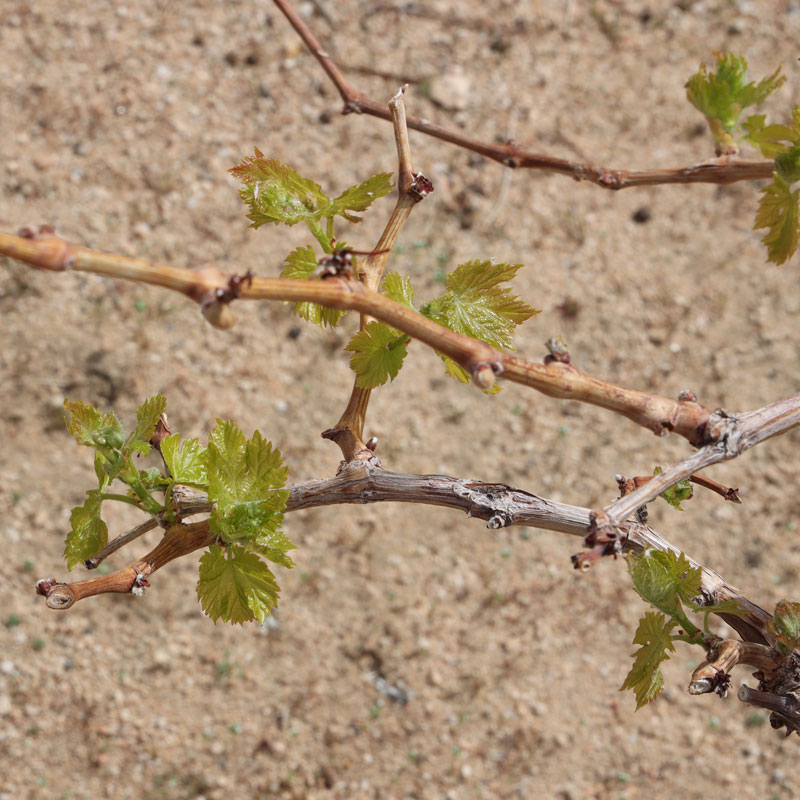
x=118, y=123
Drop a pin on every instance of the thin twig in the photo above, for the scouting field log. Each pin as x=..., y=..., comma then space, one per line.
x=661, y=415
x=123, y=539
x=726, y=169
x=726, y=492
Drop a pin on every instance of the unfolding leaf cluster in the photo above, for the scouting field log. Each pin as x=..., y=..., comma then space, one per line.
x=244, y=480
x=721, y=96
x=670, y=584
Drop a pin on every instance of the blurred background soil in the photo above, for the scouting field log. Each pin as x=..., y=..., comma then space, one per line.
x=118, y=123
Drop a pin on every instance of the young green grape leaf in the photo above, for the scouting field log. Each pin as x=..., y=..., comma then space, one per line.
x=276, y=193
x=273, y=543
x=787, y=164
x=360, y=197
x=476, y=306
x=664, y=579
x=645, y=678
x=88, y=534
x=785, y=626
x=301, y=264
x=378, y=353
x=676, y=494
x=398, y=288
x=235, y=586
x=186, y=461
x=778, y=213
x=152, y=479
x=93, y=428
x=147, y=417
x=724, y=94
x=244, y=483
x=771, y=140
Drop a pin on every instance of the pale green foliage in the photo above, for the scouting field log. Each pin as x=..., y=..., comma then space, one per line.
x=722, y=95
x=235, y=586
x=398, y=288
x=786, y=626
x=113, y=459
x=667, y=581
x=244, y=483
x=147, y=416
x=93, y=428
x=475, y=305
x=276, y=193
x=378, y=353
x=186, y=461
x=89, y=534
x=769, y=139
x=645, y=678
x=379, y=350
x=244, y=479
x=676, y=494
x=360, y=198
x=664, y=579
x=778, y=213
x=300, y=264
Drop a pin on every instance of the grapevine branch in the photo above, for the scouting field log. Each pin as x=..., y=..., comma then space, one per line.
x=363, y=482
x=500, y=505
x=722, y=170
x=558, y=379
x=348, y=432
x=731, y=435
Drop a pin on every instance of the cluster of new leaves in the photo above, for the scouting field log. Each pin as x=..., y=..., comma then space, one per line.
x=668, y=582
x=721, y=97
x=275, y=193
x=243, y=478
x=474, y=304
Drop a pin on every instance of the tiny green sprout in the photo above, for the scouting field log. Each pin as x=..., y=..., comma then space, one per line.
x=38, y=644
x=16, y=497
x=140, y=305
x=28, y=566
x=236, y=728
x=375, y=711
x=12, y=620
x=505, y=552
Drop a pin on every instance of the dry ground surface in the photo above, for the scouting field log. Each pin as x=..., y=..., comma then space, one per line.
x=118, y=123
